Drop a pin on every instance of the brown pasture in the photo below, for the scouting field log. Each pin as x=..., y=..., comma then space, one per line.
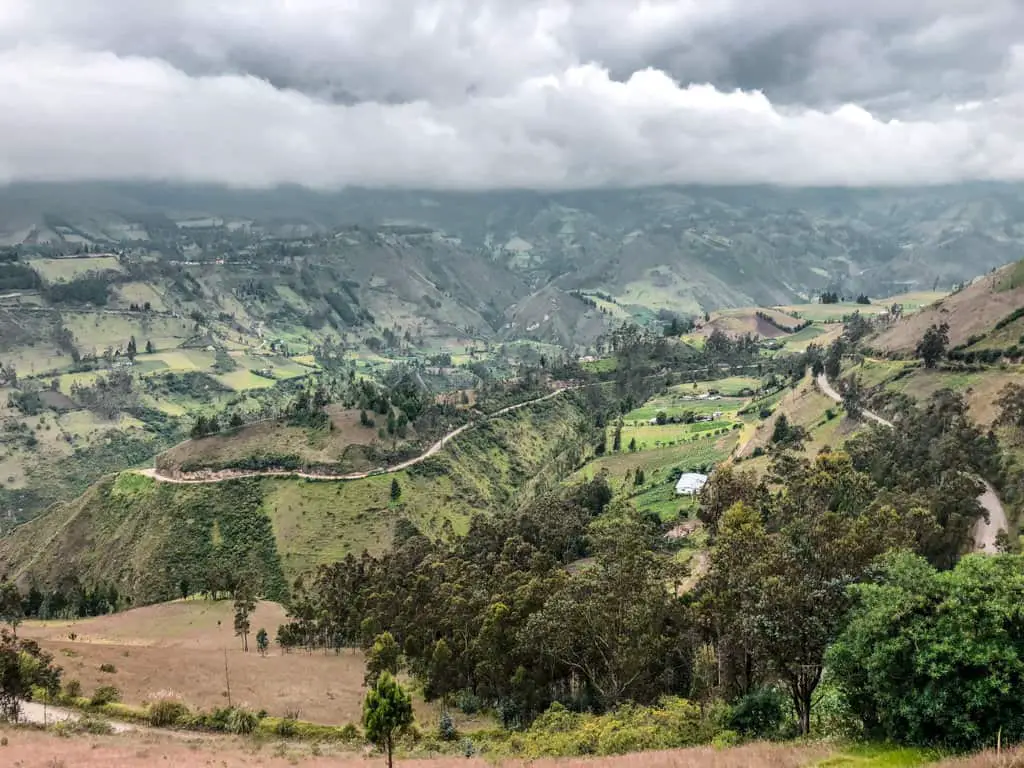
x=180, y=648
x=35, y=749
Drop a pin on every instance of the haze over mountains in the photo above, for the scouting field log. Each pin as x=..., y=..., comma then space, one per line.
x=684, y=249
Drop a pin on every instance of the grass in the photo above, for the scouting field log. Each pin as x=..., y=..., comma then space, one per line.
x=684, y=454
x=980, y=388
x=31, y=747
x=244, y=380
x=339, y=447
x=1014, y=278
x=180, y=647
x=65, y=270
x=656, y=436
x=880, y=756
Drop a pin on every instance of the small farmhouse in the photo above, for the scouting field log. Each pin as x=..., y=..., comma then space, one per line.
x=690, y=483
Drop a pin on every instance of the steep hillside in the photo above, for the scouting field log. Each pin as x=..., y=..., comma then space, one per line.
x=680, y=248
x=970, y=313
x=149, y=537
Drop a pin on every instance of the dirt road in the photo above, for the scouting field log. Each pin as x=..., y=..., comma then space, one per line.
x=228, y=474
x=985, y=531
x=39, y=714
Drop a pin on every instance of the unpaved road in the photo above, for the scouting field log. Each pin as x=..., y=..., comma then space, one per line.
x=985, y=531
x=221, y=476
x=38, y=714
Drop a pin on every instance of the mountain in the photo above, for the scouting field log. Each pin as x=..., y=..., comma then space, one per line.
x=683, y=249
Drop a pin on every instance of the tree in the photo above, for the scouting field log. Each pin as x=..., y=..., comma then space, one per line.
x=245, y=604
x=617, y=439
x=852, y=397
x=639, y=477
x=11, y=607
x=1011, y=406
x=632, y=445
x=396, y=489
x=933, y=344
x=387, y=714
x=24, y=666
x=931, y=655
x=384, y=656
x=615, y=625
x=262, y=641
x=776, y=588
x=150, y=349
x=132, y=349
x=781, y=432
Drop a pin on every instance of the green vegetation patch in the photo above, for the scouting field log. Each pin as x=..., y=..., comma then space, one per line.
x=155, y=541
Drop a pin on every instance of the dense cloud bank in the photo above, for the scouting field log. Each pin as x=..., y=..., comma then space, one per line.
x=500, y=94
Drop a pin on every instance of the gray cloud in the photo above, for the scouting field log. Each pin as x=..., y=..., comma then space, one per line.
x=498, y=93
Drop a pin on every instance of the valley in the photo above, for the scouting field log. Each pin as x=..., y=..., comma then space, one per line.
x=348, y=437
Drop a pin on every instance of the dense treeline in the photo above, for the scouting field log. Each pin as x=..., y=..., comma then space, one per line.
x=573, y=599
x=496, y=614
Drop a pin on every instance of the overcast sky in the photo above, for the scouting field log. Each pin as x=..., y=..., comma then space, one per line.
x=512, y=93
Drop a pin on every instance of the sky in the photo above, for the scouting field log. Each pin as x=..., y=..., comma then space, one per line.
x=492, y=94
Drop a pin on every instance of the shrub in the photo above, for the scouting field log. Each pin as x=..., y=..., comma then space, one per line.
x=165, y=713
x=446, y=728
x=109, y=669
x=468, y=702
x=105, y=694
x=286, y=727
x=88, y=725
x=73, y=689
x=758, y=715
x=350, y=732
x=242, y=722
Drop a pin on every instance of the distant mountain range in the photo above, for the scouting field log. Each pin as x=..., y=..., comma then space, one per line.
x=516, y=257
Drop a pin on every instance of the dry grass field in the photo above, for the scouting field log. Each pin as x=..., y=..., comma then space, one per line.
x=35, y=749
x=179, y=648
x=972, y=311
x=737, y=322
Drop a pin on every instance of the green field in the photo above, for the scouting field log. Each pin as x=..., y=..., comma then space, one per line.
x=824, y=313
x=241, y=381
x=65, y=270
x=657, y=436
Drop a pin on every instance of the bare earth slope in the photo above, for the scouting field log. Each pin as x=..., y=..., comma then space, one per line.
x=970, y=312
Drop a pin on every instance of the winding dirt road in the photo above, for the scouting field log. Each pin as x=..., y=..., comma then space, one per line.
x=199, y=478
x=985, y=531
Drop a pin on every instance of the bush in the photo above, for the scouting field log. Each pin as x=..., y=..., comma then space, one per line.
x=286, y=728
x=446, y=728
x=109, y=669
x=242, y=722
x=165, y=713
x=758, y=715
x=468, y=703
x=73, y=689
x=87, y=725
x=105, y=694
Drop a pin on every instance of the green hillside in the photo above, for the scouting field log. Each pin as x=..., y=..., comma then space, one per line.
x=148, y=537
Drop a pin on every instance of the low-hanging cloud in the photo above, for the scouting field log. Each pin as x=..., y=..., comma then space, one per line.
x=498, y=95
